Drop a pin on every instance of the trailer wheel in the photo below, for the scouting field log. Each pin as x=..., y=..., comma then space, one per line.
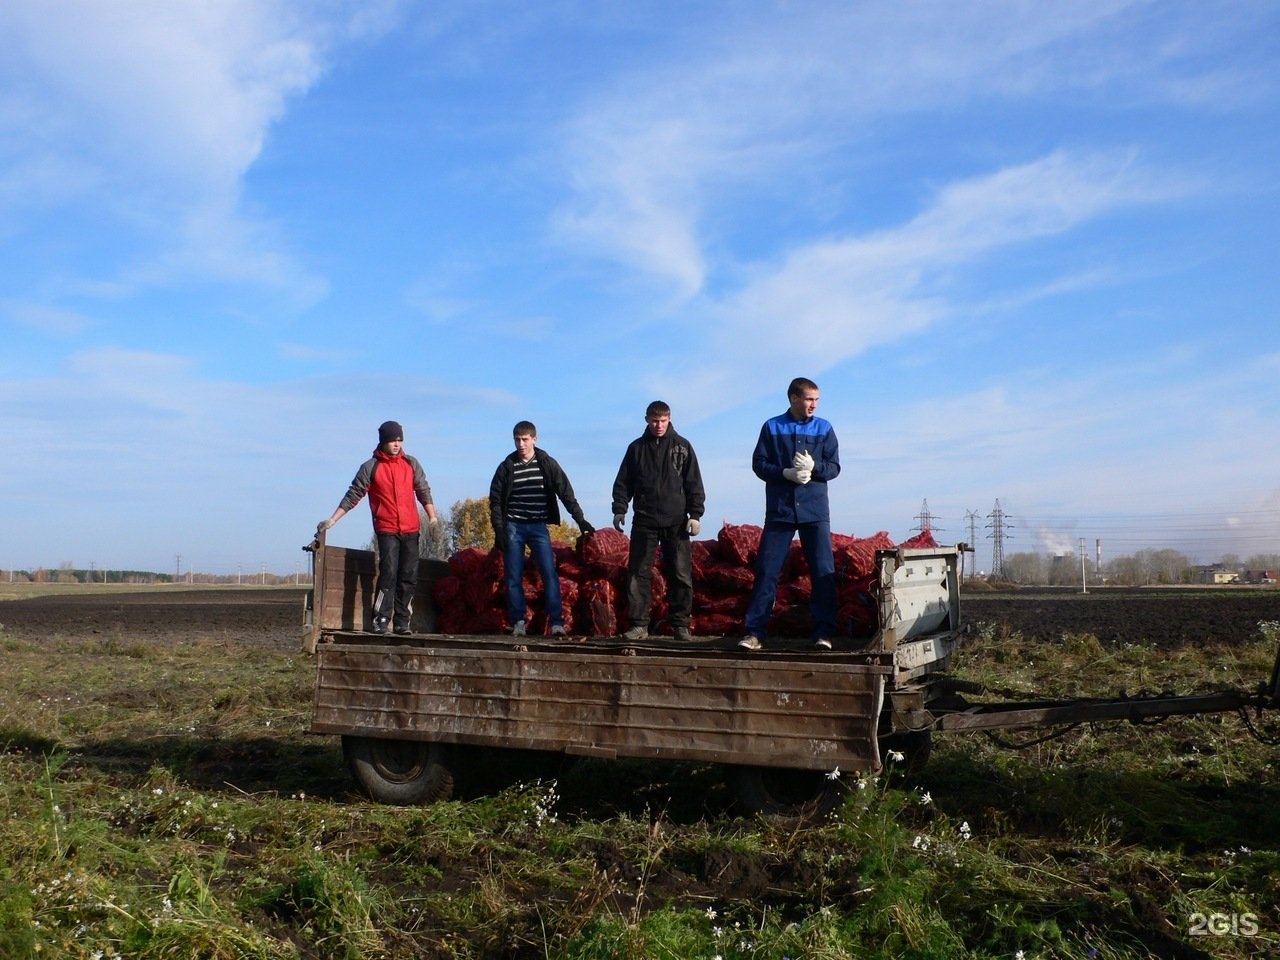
x=784, y=794
x=399, y=771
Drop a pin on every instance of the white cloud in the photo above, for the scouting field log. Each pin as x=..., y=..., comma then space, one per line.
x=758, y=99
x=154, y=110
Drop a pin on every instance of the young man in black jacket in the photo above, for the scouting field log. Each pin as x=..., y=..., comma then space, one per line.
x=660, y=475
x=522, y=501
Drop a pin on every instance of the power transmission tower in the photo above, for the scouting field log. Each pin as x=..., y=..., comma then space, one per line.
x=998, y=527
x=925, y=519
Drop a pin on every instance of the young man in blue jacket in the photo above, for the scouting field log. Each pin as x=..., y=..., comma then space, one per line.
x=796, y=455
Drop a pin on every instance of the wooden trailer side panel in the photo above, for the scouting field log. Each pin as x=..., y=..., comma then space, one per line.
x=761, y=711
x=344, y=587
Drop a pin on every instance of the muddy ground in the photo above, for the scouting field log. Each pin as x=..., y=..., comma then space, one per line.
x=1164, y=617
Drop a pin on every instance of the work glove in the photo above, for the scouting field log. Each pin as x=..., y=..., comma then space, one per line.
x=323, y=525
x=803, y=476
x=618, y=520
x=803, y=461
x=790, y=473
x=694, y=526
x=586, y=527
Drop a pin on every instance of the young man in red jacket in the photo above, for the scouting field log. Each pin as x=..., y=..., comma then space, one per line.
x=396, y=484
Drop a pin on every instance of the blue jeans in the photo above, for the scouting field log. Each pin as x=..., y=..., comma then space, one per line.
x=536, y=537
x=775, y=543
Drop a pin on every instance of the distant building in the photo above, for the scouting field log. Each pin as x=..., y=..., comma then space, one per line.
x=1260, y=576
x=1216, y=573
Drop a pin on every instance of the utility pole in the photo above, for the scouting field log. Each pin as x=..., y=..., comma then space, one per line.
x=998, y=527
x=177, y=568
x=1084, y=585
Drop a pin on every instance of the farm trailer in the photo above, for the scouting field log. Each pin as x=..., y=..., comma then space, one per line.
x=411, y=709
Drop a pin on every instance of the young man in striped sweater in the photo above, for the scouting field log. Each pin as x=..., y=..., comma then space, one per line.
x=522, y=502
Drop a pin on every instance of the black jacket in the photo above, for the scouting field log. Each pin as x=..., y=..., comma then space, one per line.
x=554, y=481
x=662, y=477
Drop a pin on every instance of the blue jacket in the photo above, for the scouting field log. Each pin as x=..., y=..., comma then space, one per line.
x=781, y=438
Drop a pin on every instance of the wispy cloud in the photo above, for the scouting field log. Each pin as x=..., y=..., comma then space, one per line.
x=154, y=110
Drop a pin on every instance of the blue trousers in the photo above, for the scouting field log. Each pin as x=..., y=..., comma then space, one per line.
x=775, y=543
x=536, y=537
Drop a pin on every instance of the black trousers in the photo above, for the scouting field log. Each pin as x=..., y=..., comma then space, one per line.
x=677, y=564
x=397, y=578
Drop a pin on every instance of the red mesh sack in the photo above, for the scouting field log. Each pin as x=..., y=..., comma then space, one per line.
x=488, y=621
x=596, y=613
x=857, y=616
x=702, y=553
x=714, y=625
x=733, y=605
x=723, y=578
x=922, y=539
x=468, y=562
x=856, y=557
x=604, y=552
x=452, y=619
x=794, y=621
x=481, y=593
x=446, y=592
x=794, y=564
x=739, y=543
x=797, y=591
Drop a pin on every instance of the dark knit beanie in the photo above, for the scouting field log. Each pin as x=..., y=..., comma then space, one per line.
x=390, y=431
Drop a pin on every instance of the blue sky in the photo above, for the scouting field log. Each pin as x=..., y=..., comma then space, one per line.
x=1027, y=250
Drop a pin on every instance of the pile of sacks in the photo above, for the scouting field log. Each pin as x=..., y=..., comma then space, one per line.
x=593, y=586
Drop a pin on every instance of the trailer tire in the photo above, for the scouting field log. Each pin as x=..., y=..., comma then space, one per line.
x=784, y=794
x=401, y=772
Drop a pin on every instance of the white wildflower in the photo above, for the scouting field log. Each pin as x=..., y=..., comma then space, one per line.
x=965, y=832
x=834, y=774
x=897, y=756
x=926, y=798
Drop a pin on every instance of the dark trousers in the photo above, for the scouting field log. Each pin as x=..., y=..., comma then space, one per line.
x=775, y=543
x=677, y=564
x=397, y=578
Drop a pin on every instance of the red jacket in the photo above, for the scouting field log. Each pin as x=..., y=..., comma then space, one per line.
x=395, y=485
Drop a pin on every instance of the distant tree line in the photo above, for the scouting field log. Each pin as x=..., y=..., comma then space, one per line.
x=1140, y=569
x=148, y=577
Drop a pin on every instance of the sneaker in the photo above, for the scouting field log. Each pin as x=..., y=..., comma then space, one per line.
x=750, y=642
x=520, y=629
x=636, y=633
x=557, y=631
x=381, y=625
x=682, y=635
x=822, y=643
x=403, y=631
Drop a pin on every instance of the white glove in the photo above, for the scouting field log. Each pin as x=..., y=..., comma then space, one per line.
x=694, y=526
x=619, y=519
x=803, y=476
x=803, y=461
x=790, y=473
x=323, y=525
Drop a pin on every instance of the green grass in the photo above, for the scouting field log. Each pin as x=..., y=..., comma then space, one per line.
x=165, y=801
